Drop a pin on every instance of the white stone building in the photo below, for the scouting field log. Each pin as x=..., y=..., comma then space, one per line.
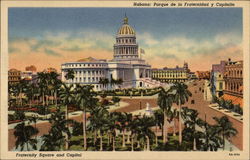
x=126, y=65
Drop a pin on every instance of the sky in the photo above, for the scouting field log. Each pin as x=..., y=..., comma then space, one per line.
x=48, y=37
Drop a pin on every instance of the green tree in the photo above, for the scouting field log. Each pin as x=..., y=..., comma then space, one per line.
x=67, y=95
x=181, y=95
x=116, y=100
x=70, y=74
x=212, y=140
x=113, y=125
x=225, y=128
x=24, y=135
x=158, y=116
x=165, y=101
x=144, y=131
x=191, y=121
x=85, y=98
x=59, y=133
x=104, y=82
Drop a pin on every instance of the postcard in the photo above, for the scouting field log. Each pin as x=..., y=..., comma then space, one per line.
x=125, y=80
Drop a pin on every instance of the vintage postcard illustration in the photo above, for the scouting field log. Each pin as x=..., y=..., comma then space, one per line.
x=125, y=80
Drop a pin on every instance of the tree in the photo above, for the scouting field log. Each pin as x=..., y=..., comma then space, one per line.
x=144, y=131
x=67, y=95
x=104, y=82
x=54, y=85
x=158, y=119
x=116, y=99
x=99, y=121
x=212, y=140
x=113, y=125
x=134, y=130
x=173, y=114
x=24, y=136
x=191, y=120
x=181, y=96
x=85, y=99
x=119, y=82
x=124, y=119
x=43, y=82
x=165, y=101
x=58, y=134
x=225, y=128
x=70, y=74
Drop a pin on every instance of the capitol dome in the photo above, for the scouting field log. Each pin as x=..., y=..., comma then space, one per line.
x=126, y=29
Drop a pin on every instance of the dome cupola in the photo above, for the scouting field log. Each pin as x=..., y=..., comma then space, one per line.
x=126, y=29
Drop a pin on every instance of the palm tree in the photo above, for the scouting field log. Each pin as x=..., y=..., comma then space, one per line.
x=85, y=99
x=212, y=140
x=129, y=119
x=99, y=121
x=181, y=96
x=67, y=95
x=119, y=82
x=21, y=89
x=123, y=119
x=144, y=131
x=158, y=117
x=92, y=126
x=42, y=83
x=58, y=134
x=23, y=134
x=134, y=130
x=54, y=85
x=112, y=82
x=70, y=74
x=104, y=82
x=225, y=128
x=165, y=101
x=191, y=120
x=173, y=114
x=113, y=125
x=33, y=119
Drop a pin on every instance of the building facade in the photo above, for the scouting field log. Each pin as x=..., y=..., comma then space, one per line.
x=203, y=75
x=171, y=75
x=234, y=82
x=126, y=65
x=14, y=76
x=217, y=78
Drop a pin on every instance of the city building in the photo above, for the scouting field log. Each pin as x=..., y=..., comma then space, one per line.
x=217, y=78
x=14, y=76
x=192, y=76
x=203, y=75
x=171, y=75
x=126, y=65
x=234, y=82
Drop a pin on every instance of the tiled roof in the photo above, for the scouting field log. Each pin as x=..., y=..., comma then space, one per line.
x=235, y=100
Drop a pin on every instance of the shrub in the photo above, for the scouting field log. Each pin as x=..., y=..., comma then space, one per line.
x=77, y=129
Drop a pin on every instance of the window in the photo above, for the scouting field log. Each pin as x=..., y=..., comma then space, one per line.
x=220, y=85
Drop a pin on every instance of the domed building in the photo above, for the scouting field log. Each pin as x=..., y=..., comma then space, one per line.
x=126, y=65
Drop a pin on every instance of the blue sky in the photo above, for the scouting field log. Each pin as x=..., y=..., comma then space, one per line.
x=170, y=34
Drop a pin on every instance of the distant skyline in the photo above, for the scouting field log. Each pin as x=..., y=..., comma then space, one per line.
x=48, y=37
